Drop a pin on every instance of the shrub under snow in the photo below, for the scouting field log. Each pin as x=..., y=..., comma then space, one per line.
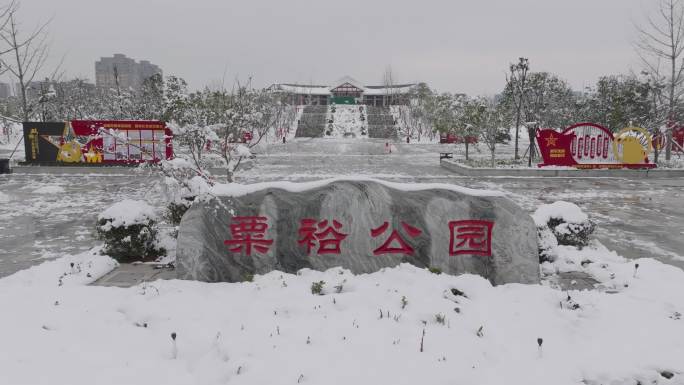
x=128, y=229
x=561, y=223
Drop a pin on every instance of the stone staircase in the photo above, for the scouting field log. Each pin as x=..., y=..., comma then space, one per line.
x=312, y=122
x=381, y=123
x=371, y=122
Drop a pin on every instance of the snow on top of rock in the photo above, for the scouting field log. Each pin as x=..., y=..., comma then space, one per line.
x=236, y=189
x=567, y=211
x=128, y=212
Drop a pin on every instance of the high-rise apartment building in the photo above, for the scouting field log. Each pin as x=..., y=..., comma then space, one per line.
x=5, y=90
x=128, y=72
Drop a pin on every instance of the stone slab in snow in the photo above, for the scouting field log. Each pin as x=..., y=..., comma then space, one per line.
x=361, y=207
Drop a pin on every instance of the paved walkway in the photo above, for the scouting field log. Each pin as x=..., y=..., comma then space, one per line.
x=127, y=275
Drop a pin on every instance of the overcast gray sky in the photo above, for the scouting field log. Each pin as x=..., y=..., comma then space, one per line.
x=457, y=45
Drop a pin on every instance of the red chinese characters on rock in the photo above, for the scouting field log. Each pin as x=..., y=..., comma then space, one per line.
x=324, y=234
x=473, y=237
x=249, y=233
x=466, y=237
x=401, y=246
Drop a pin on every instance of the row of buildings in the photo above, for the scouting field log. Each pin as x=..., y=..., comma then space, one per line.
x=110, y=72
x=120, y=71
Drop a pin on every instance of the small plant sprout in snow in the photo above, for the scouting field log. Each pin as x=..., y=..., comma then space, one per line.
x=480, y=332
x=435, y=270
x=636, y=268
x=422, y=340
x=440, y=318
x=174, y=348
x=300, y=379
x=540, y=341
x=404, y=302
x=570, y=304
x=219, y=350
x=458, y=293
x=317, y=287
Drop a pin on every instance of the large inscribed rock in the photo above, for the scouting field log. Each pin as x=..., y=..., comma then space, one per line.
x=362, y=225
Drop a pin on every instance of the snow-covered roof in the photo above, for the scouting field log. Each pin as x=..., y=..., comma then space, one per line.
x=301, y=89
x=350, y=80
x=384, y=90
x=311, y=89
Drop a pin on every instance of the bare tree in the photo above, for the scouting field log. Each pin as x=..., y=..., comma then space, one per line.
x=516, y=86
x=27, y=55
x=492, y=126
x=656, y=116
x=661, y=38
x=240, y=118
x=388, y=82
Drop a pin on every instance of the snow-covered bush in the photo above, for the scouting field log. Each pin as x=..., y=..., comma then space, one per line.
x=561, y=223
x=183, y=183
x=176, y=210
x=129, y=231
x=547, y=244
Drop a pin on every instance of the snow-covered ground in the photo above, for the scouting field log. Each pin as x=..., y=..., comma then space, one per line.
x=43, y=217
x=399, y=326
x=365, y=329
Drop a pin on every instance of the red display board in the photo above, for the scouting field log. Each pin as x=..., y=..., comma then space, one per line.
x=589, y=145
x=98, y=141
x=453, y=138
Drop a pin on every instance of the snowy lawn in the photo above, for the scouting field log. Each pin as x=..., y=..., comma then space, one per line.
x=363, y=329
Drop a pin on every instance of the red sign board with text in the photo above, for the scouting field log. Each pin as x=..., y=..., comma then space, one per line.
x=584, y=145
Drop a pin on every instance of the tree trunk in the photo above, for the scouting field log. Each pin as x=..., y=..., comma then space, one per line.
x=466, y=149
x=517, y=133
x=673, y=119
x=531, y=132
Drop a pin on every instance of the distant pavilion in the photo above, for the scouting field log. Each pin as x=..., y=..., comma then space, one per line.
x=344, y=91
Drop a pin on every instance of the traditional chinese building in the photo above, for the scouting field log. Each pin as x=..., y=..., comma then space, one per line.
x=344, y=91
